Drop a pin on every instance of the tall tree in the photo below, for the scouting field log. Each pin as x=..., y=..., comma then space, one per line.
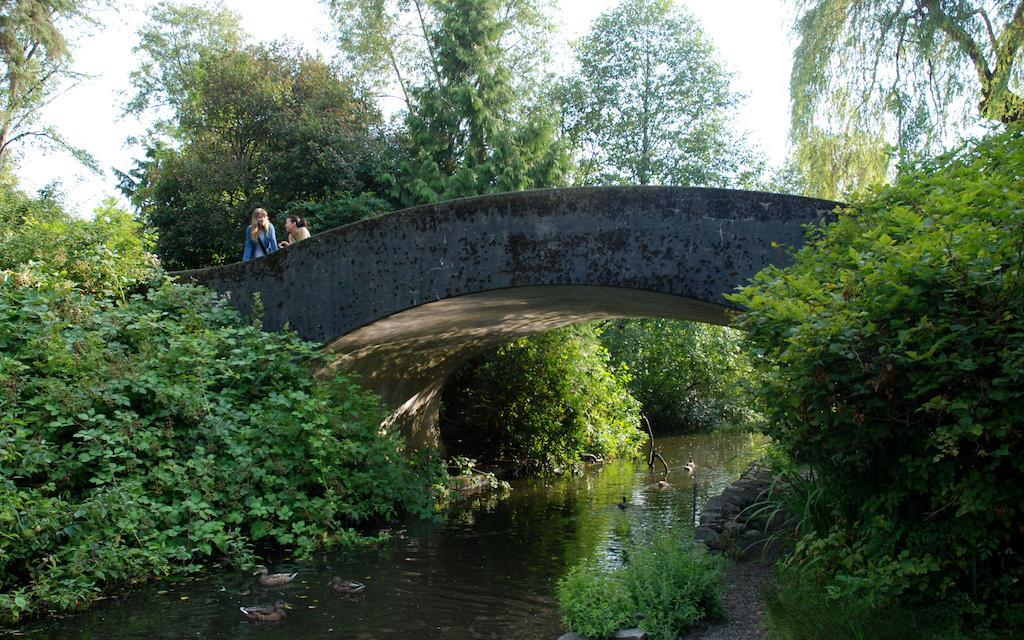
x=35, y=59
x=385, y=41
x=259, y=126
x=469, y=129
x=170, y=47
x=910, y=71
x=650, y=103
x=391, y=43
x=470, y=75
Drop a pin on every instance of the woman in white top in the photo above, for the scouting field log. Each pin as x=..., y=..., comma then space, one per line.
x=296, y=228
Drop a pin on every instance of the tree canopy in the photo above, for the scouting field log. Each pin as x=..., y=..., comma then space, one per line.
x=35, y=59
x=258, y=125
x=171, y=45
x=651, y=104
x=469, y=131
x=392, y=43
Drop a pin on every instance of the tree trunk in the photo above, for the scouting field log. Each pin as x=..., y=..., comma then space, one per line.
x=8, y=117
x=645, y=124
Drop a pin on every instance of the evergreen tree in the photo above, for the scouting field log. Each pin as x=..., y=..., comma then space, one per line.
x=469, y=131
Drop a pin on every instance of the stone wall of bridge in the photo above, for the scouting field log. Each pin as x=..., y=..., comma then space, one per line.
x=407, y=297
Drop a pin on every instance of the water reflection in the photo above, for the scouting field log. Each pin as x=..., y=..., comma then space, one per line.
x=488, y=571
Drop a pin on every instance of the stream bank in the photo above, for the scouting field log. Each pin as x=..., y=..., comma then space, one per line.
x=726, y=526
x=486, y=569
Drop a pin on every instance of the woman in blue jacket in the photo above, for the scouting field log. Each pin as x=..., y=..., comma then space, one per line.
x=260, y=237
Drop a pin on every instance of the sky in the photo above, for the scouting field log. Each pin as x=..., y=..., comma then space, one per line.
x=752, y=37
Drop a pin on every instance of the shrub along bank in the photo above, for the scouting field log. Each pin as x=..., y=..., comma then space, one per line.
x=542, y=403
x=552, y=400
x=893, y=349
x=688, y=376
x=146, y=429
x=665, y=585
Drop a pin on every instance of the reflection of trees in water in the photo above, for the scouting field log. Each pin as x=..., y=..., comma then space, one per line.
x=558, y=522
x=490, y=555
x=720, y=459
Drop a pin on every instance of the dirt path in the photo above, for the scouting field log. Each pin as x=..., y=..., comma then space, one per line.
x=743, y=599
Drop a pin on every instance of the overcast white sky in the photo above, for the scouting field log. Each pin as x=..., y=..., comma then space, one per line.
x=752, y=37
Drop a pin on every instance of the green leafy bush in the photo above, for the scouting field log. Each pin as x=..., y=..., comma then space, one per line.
x=688, y=376
x=798, y=609
x=338, y=210
x=664, y=588
x=894, y=355
x=15, y=205
x=147, y=433
x=541, y=403
x=105, y=256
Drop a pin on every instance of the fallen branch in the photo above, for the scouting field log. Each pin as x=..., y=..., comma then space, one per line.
x=654, y=453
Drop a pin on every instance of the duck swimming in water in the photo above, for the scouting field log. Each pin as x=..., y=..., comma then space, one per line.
x=349, y=587
x=623, y=504
x=274, y=579
x=275, y=613
x=690, y=467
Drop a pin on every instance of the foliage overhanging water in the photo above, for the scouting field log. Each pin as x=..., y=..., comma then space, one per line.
x=488, y=571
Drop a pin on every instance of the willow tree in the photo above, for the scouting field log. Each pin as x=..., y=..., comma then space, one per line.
x=874, y=76
x=650, y=103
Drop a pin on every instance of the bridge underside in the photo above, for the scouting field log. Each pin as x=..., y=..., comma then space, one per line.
x=408, y=357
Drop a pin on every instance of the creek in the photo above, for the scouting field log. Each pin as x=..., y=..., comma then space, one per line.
x=488, y=569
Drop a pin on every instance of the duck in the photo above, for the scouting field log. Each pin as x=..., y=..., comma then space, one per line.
x=663, y=484
x=690, y=467
x=350, y=587
x=273, y=579
x=275, y=613
x=623, y=504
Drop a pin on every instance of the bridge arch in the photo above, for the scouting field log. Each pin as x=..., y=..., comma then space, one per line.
x=407, y=297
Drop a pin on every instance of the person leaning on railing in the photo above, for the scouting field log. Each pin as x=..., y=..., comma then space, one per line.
x=260, y=238
x=296, y=228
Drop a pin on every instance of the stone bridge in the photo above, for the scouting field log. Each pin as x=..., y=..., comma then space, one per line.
x=405, y=298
